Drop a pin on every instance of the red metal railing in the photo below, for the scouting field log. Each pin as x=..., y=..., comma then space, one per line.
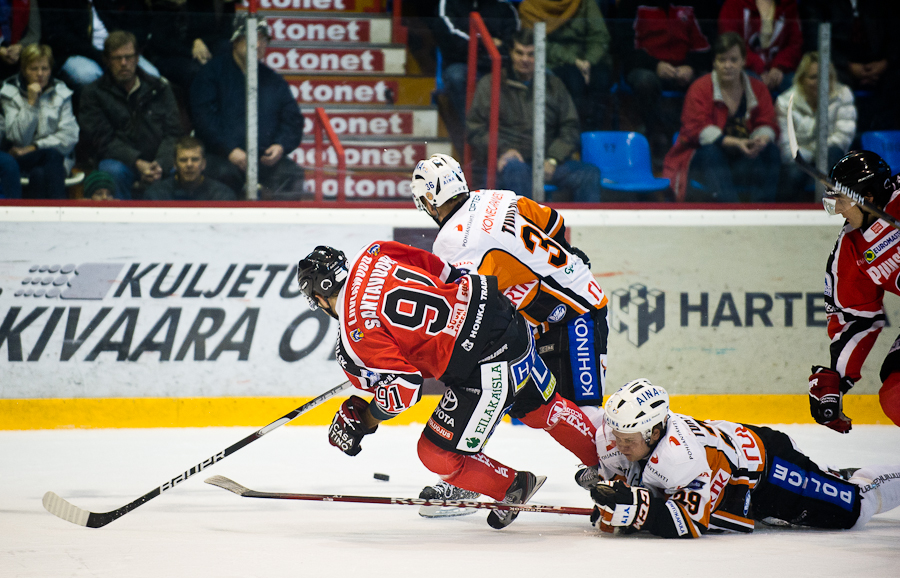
x=322, y=125
x=478, y=31
x=399, y=33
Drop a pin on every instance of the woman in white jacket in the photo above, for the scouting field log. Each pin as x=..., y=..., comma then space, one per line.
x=40, y=124
x=796, y=186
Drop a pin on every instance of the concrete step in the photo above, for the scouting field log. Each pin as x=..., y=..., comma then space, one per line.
x=365, y=155
x=318, y=5
x=364, y=185
x=336, y=58
x=354, y=122
x=316, y=27
x=327, y=90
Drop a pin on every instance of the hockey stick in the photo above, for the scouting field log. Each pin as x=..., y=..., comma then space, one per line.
x=830, y=183
x=232, y=486
x=71, y=513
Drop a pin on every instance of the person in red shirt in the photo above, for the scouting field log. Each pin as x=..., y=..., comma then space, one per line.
x=406, y=315
x=727, y=136
x=771, y=31
x=864, y=263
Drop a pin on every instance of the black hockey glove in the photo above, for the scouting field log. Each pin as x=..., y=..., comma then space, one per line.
x=347, y=428
x=826, y=391
x=581, y=255
x=620, y=506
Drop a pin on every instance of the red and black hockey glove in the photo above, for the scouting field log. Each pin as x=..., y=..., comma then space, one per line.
x=826, y=390
x=347, y=428
x=620, y=506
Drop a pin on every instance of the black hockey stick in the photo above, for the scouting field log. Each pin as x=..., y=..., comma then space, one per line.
x=232, y=486
x=71, y=513
x=830, y=183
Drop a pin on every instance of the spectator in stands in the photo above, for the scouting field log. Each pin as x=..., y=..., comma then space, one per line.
x=451, y=33
x=77, y=29
x=575, y=180
x=665, y=46
x=99, y=186
x=727, y=133
x=795, y=185
x=189, y=183
x=40, y=123
x=577, y=52
x=129, y=118
x=864, y=52
x=218, y=107
x=184, y=35
x=20, y=25
x=771, y=31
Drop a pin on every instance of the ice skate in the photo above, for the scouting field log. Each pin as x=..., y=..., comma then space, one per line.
x=520, y=491
x=444, y=491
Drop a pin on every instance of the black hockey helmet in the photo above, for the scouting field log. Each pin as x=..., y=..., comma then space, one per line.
x=322, y=272
x=867, y=174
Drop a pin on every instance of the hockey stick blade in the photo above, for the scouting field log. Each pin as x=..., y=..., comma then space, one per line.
x=830, y=183
x=244, y=492
x=69, y=512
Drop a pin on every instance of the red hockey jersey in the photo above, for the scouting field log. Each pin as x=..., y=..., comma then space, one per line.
x=862, y=266
x=401, y=321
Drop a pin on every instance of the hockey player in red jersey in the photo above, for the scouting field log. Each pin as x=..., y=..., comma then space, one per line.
x=404, y=315
x=864, y=263
x=524, y=245
x=678, y=477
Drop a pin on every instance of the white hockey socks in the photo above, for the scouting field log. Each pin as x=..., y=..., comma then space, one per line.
x=879, y=490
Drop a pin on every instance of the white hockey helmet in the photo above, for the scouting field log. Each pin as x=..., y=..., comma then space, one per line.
x=436, y=180
x=636, y=407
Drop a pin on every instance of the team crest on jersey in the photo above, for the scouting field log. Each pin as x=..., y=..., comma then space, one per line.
x=882, y=246
x=558, y=313
x=374, y=249
x=356, y=335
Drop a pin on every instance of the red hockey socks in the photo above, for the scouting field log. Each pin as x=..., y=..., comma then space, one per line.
x=568, y=425
x=475, y=472
x=889, y=396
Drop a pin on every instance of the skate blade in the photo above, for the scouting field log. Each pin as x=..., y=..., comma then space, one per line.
x=444, y=512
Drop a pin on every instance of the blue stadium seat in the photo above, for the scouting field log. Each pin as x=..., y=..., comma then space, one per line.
x=886, y=144
x=623, y=159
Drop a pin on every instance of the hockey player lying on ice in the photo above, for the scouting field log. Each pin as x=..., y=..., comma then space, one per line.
x=405, y=315
x=678, y=477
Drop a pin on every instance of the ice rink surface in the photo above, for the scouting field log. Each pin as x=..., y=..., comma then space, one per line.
x=198, y=531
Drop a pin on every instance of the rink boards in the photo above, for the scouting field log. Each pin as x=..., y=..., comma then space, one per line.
x=158, y=317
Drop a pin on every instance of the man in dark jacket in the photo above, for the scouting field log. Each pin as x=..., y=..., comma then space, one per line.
x=219, y=112
x=129, y=119
x=189, y=183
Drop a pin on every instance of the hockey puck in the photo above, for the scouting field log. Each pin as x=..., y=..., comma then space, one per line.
x=382, y=477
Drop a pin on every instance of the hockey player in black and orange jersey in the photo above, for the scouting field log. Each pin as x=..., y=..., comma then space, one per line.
x=864, y=263
x=405, y=315
x=678, y=477
x=524, y=245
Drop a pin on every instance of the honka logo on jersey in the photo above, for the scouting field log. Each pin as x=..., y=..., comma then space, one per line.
x=882, y=246
x=356, y=335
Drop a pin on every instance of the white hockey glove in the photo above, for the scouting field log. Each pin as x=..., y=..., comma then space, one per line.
x=620, y=506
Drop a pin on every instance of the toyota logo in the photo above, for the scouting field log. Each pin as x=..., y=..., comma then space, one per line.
x=449, y=401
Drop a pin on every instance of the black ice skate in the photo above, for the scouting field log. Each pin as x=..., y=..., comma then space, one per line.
x=444, y=491
x=520, y=491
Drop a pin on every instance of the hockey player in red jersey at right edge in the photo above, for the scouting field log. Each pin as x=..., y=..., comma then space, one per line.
x=404, y=315
x=861, y=267
x=523, y=244
x=676, y=476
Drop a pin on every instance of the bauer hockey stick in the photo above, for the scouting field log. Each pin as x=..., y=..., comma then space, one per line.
x=71, y=513
x=232, y=486
x=830, y=183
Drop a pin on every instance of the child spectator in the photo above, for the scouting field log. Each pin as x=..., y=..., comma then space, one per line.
x=40, y=123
